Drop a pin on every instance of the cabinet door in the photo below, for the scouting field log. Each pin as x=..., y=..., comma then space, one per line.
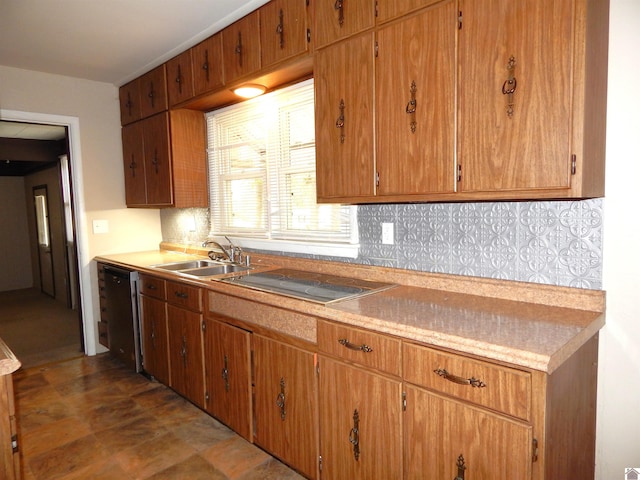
x=283, y=30
x=153, y=92
x=415, y=124
x=185, y=353
x=228, y=376
x=134, y=166
x=515, y=93
x=155, y=346
x=442, y=436
x=286, y=403
x=338, y=19
x=360, y=423
x=344, y=119
x=241, y=47
x=157, y=160
x=130, y=102
x=206, y=59
x=180, y=78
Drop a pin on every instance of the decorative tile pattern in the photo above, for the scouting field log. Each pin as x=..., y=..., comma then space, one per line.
x=550, y=242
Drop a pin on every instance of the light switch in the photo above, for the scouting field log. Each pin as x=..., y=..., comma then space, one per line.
x=100, y=226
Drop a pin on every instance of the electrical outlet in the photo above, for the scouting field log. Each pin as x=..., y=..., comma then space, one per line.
x=387, y=234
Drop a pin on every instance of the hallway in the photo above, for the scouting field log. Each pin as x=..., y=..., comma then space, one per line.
x=37, y=328
x=90, y=417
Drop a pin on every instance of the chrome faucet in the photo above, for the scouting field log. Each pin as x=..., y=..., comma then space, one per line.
x=215, y=255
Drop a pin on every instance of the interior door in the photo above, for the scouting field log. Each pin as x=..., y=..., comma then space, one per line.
x=45, y=259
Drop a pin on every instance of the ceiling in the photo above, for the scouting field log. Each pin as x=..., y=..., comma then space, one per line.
x=111, y=41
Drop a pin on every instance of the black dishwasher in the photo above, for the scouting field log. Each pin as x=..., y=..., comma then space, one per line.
x=121, y=293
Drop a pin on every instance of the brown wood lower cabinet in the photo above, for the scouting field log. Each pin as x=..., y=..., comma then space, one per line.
x=448, y=439
x=227, y=353
x=360, y=423
x=155, y=338
x=286, y=403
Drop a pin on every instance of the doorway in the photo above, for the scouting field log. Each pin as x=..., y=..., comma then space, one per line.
x=80, y=291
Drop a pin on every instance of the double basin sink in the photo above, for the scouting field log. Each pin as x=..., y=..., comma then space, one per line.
x=202, y=268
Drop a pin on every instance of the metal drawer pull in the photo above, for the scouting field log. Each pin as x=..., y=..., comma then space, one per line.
x=181, y=295
x=474, y=382
x=363, y=348
x=225, y=373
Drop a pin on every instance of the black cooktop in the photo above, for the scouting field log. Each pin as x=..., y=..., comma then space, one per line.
x=312, y=286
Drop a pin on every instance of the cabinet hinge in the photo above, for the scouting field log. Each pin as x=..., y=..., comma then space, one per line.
x=460, y=20
x=204, y=326
x=308, y=35
x=376, y=8
x=377, y=179
x=320, y=462
x=375, y=49
x=534, y=453
x=206, y=397
x=459, y=177
x=573, y=164
x=404, y=401
x=14, y=443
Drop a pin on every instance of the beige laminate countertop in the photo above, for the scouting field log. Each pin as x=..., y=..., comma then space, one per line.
x=530, y=325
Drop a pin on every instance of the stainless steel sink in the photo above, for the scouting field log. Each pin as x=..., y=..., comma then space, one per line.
x=186, y=265
x=215, y=270
x=202, y=268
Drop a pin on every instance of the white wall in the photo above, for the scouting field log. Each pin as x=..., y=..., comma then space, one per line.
x=95, y=105
x=618, y=435
x=15, y=259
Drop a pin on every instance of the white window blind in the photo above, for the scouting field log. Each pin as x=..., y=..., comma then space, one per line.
x=262, y=173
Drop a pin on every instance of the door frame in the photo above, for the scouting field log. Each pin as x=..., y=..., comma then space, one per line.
x=47, y=220
x=80, y=221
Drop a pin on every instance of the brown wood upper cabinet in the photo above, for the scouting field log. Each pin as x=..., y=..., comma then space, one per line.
x=144, y=96
x=164, y=160
x=284, y=30
x=241, y=47
x=180, y=78
x=343, y=82
x=474, y=100
x=206, y=61
x=526, y=70
x=339, y=19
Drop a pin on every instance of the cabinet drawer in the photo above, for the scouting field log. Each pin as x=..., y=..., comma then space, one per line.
x=501, y=388
x=153, y=287
x=184, y=296
x=360, y=346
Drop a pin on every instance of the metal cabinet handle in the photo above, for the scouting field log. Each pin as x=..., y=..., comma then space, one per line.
x=339, y=6
x=340, y=120
x=280, y=29
x=510, y=84
x=411, y=107
x=205, y=65
x=238, y=50
x=461, y=468
x=181, y=295
x=151, y=95
x=354, y=435
x=179, y=79
x=351, y=346
x=225, y=373
x=280, y=400
x=474, y=382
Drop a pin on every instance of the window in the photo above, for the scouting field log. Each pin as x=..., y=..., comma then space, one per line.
x=262, y=177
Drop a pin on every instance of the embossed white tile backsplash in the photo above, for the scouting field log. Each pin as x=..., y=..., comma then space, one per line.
x=551, y=242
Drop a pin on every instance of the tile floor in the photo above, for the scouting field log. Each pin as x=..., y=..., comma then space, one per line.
x=90, y=418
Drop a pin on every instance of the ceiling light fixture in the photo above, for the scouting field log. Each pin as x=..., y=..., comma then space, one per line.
x=249, y=90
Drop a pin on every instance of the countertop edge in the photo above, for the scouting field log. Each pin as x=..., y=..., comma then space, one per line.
x=8, y=361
